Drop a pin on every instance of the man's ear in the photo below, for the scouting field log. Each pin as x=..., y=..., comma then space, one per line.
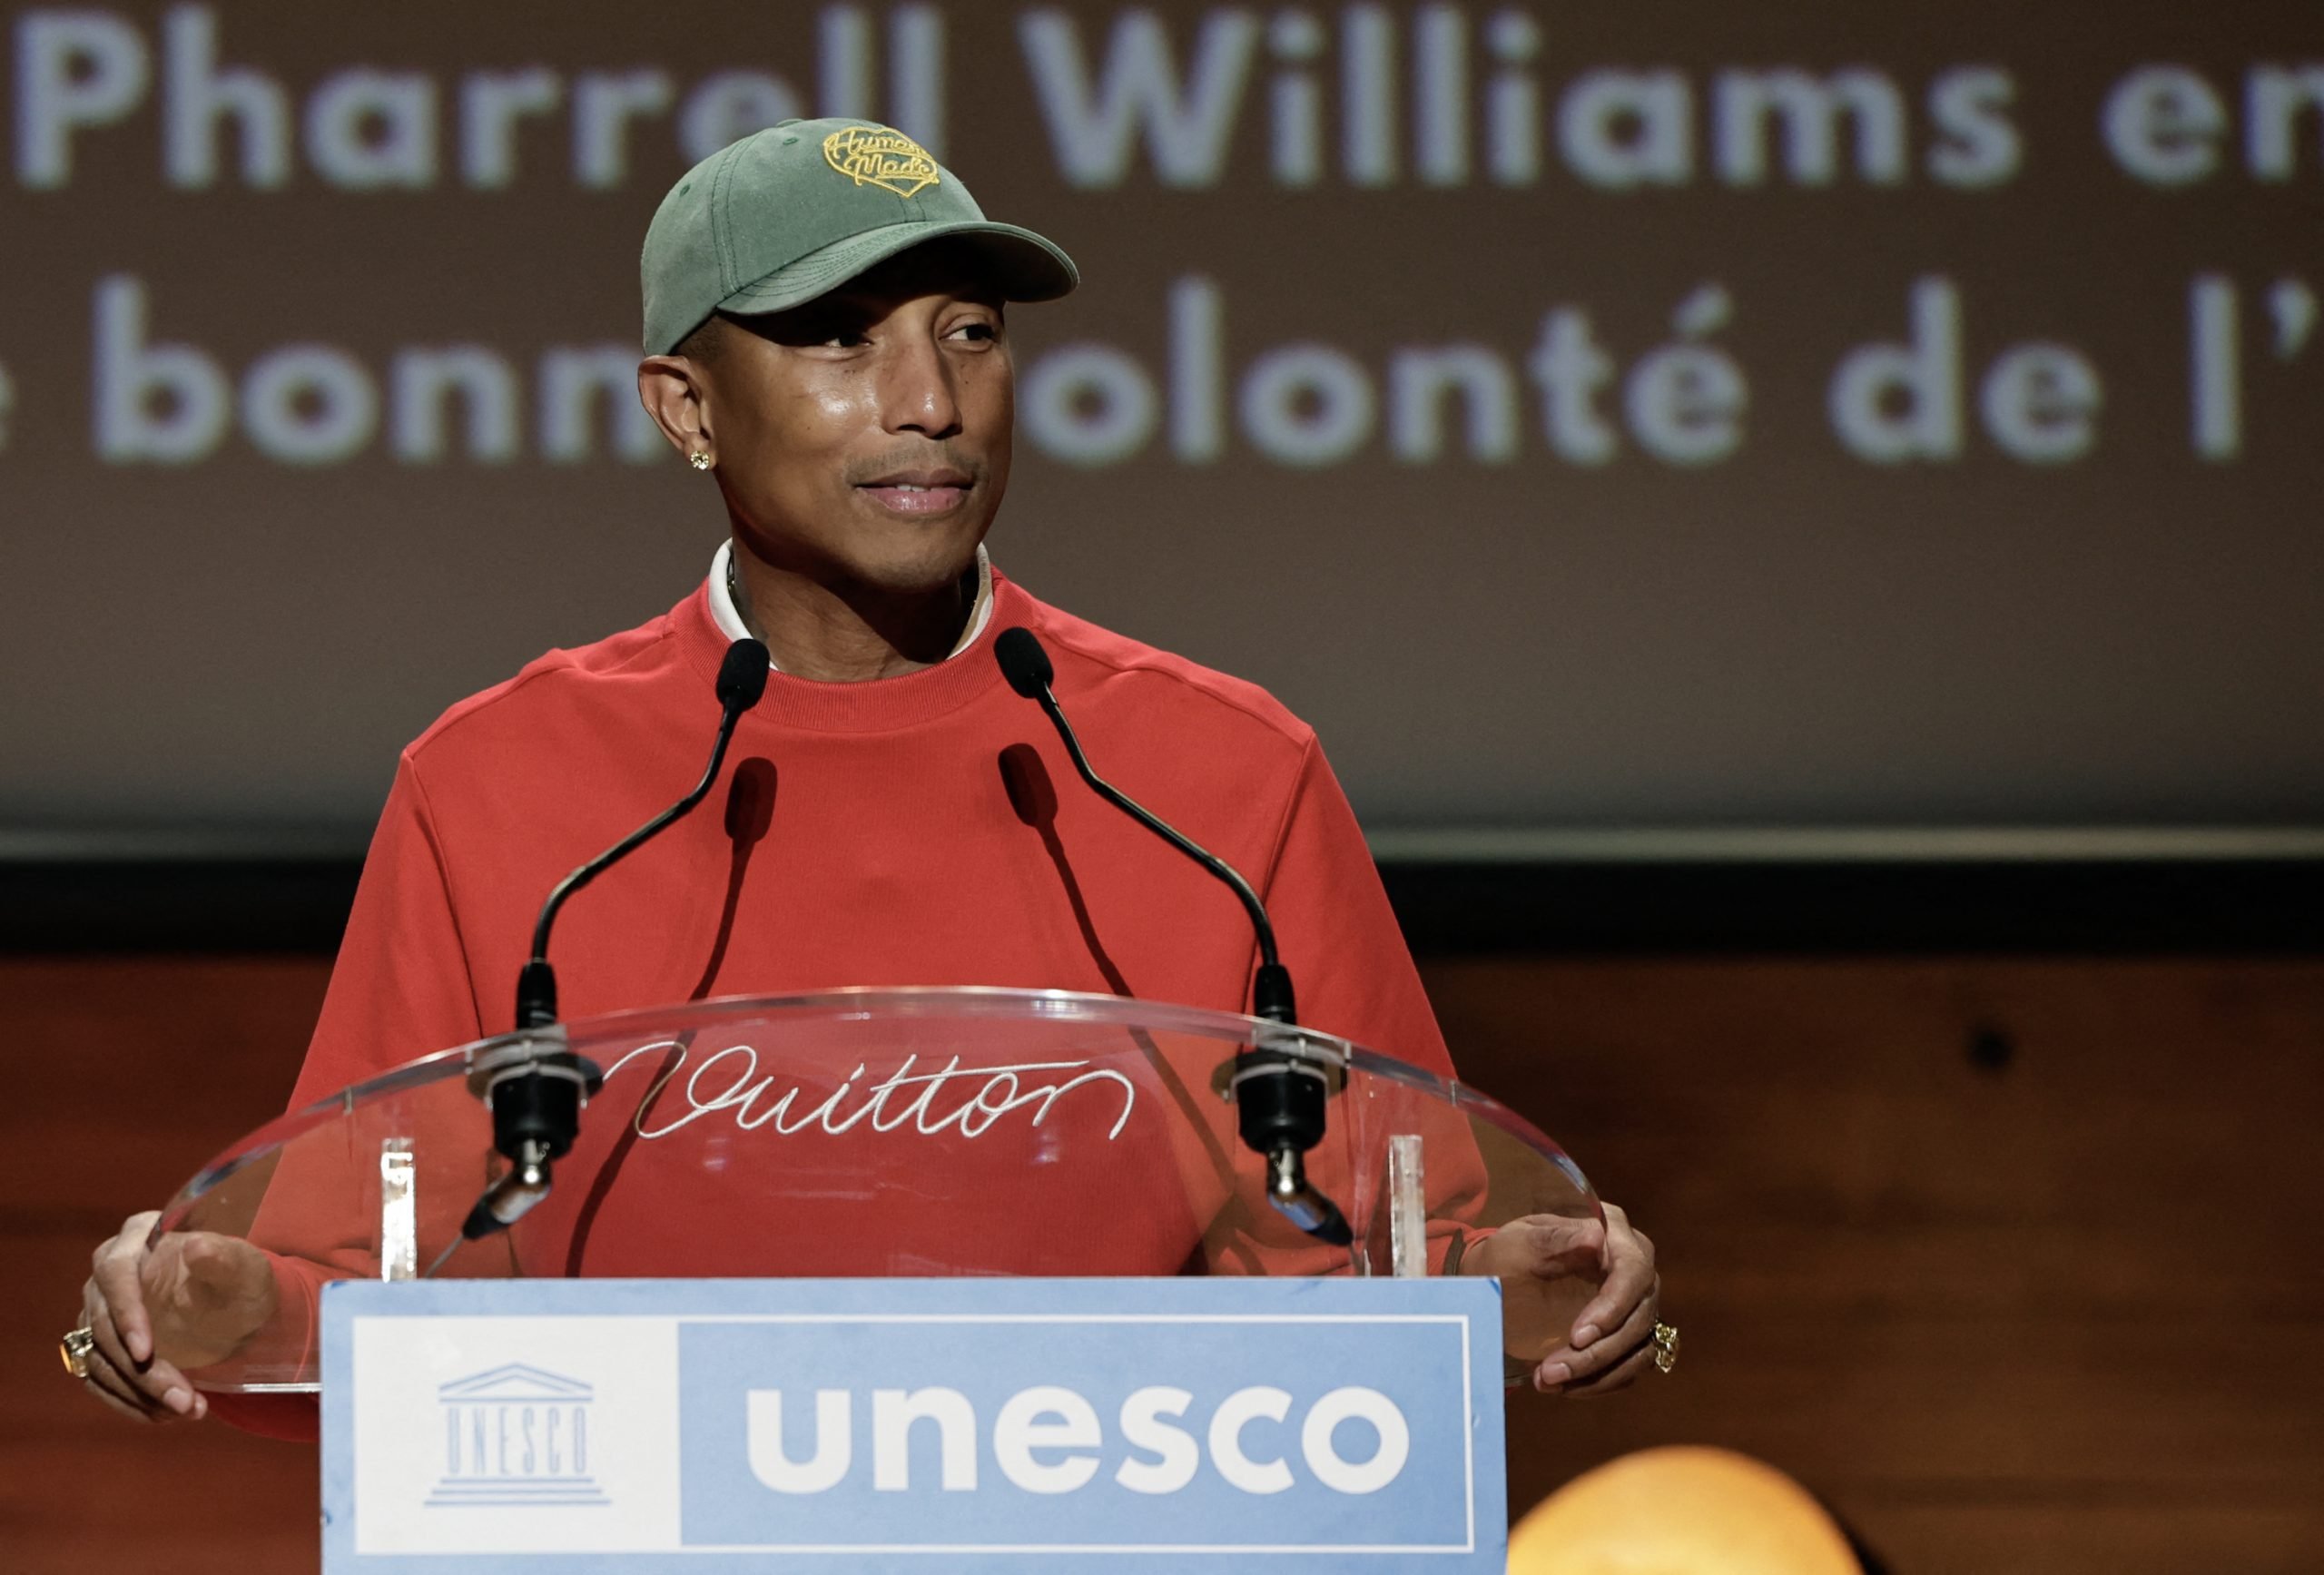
x=676, y=394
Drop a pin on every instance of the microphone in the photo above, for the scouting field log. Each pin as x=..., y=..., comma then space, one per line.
x=1280, y=1098
x=535, y=1096
x=742, y=679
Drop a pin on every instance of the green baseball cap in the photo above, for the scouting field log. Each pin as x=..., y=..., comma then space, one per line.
x=775, y=220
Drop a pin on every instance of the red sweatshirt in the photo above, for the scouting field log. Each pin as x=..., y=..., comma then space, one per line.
x=927, y=830
x=894, y=853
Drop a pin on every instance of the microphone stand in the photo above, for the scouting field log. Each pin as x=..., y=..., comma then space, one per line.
x=1280, y=1096
x=535, y=1087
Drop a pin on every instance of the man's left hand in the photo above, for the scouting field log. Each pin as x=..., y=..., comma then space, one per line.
x=1611, y=1340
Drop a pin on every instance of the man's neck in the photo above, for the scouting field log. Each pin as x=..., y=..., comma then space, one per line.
x=848, y=633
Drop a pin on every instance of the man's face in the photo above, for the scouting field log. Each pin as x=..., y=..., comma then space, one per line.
x=865, y=438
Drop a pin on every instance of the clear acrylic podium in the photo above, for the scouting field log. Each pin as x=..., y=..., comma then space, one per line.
x=869, y=1132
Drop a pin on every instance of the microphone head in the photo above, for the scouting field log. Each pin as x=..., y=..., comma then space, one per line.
x=1023, y=662
x=742, y=676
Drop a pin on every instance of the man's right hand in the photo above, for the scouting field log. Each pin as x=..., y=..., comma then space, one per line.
x=189, y=1303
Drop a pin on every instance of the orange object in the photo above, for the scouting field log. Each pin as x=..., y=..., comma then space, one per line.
x=1681, y=1511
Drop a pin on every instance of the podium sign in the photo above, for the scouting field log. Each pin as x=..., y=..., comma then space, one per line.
x=927, y=1425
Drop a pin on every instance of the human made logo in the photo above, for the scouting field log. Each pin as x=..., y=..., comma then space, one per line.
x=516, y=1435
x=879, y=156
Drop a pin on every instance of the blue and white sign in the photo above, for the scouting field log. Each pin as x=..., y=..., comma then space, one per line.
x=921, y=1425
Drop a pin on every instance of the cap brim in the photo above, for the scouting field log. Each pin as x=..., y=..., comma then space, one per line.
x=1026, y=266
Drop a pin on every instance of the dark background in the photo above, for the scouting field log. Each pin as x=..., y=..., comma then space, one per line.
x=2012, y=1260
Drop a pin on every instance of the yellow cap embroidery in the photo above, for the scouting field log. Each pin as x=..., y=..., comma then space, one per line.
x=876, y=156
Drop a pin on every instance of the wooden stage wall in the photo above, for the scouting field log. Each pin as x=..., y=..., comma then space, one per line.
x=2016, y=1264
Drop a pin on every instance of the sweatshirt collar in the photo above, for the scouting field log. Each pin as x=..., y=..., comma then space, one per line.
x=875, y=705
x=729, y=617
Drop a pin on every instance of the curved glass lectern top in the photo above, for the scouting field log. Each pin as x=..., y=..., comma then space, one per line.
x=867, y=1132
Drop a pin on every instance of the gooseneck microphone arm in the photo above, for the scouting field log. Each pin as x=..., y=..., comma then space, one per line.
x=1280, y=1098
x=742, y=679
x=533, y=1086
x=1272, y=996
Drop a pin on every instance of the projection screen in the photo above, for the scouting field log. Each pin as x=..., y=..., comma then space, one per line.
x=1805, y=415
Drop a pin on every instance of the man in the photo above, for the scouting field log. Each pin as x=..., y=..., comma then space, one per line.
x=826, y=340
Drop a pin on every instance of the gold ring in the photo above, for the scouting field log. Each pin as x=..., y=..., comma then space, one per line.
x=76, y=1348
x=1665, y=1348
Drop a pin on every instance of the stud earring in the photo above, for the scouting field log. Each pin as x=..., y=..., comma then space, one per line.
x=699, y=459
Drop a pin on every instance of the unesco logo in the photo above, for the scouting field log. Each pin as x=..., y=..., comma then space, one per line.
x=516, y=1435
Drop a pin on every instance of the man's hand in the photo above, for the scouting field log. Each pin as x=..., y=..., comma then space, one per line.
x=190, y=1303
x=1545, y=1263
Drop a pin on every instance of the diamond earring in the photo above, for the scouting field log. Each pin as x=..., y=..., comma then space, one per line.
x=699, y=459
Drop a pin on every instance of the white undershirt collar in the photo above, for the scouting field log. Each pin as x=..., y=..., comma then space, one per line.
x=729, y=618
